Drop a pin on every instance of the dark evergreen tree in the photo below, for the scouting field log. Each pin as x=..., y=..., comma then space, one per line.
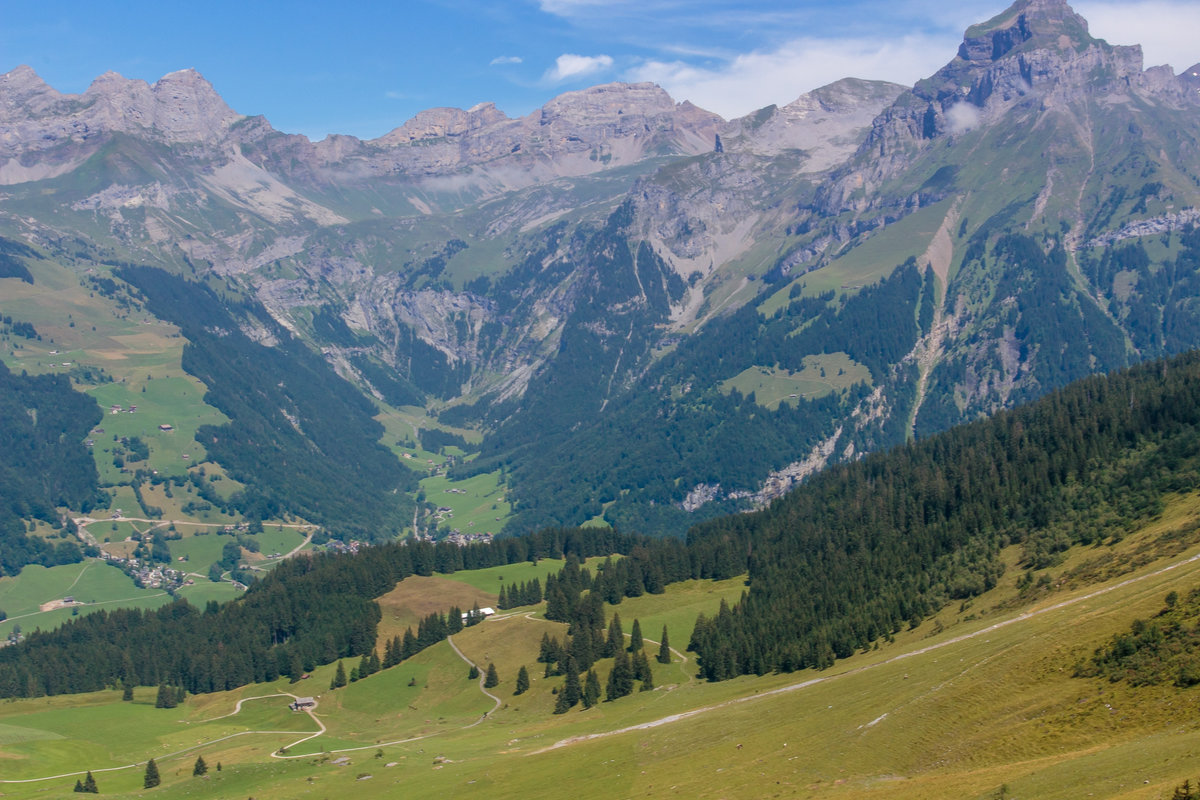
x=620, y=680
x=339, y=677
x=166, y=697
x=635, y=637
x=390, y=656
x=664, y=648
x=89, y=784
x=639, y=665
x=616, y=637
x=199, y=768
x=127, y=691
x=522, y=680
x=473, y=673
x=581, y=649
x=151, y=778
x=410, y=647
x=571, y=691
x=492, y=678
x=78, y=785
x=591, y=689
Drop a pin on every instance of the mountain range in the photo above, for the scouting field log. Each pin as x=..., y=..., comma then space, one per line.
x=621, y=307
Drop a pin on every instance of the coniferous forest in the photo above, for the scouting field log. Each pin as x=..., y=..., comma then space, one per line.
x=860, y=551
x=43, y=424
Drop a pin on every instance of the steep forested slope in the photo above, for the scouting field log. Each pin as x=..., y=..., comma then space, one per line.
x=301, y=438
x=43, y=424
x=869, y=547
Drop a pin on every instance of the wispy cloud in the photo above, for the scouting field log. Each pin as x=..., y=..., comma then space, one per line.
x=501, y=60
x=753, y=80
x=569, y=66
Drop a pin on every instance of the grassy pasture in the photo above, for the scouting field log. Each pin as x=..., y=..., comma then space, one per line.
x=491, y=579
x=879, y=255
x=822, y=374
x=977, y=699
x=477, y=504
x=92, y=583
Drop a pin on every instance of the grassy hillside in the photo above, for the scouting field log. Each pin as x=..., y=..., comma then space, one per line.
x=979, y=702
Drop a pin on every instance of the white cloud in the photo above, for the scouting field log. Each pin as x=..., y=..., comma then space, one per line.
x=500, y=60
x=753, y=80
x=567, y=8
x=569, y=65
x=1166, y=29
x=962, y=117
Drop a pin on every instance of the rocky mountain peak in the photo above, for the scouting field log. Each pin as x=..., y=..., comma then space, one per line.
x=23, y=93
x=1025, y=25
x=22, y=78
x=180, y=106
x=1190, y=78
x=607, y=101
x=436, y=123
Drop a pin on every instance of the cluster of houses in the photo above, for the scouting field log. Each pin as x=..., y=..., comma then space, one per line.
x=459, y=538
x=338, y=546
x=149, y=575
x=116, y=409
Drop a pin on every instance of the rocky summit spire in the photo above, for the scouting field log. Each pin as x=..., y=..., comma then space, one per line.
x=1026, y=25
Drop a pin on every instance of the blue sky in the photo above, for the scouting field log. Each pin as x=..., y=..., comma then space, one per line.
x=364, y=68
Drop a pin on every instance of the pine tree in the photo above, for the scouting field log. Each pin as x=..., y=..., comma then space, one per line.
x=200, y=768
x=409, y=648
x=620, y=680
x=664, y=649
x=647, y=677
x=616, y=637
x=389, y=653
x=339, y=677
x=522, y=680
x=295, y=669
x=89, y=784
x=127, y=691
x=78, y=785
x=492, y=678
x=151, y=779
x=635, y=637
x=591, y=689
x=473, y=673
x=570, y=693
x=640, y=665
x=561, y=704
x=166, y=697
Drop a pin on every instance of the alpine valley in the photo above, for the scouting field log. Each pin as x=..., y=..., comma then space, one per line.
x=852, y=385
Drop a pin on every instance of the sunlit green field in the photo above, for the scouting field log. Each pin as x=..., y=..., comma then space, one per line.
x=822, y=374
x=979, y=702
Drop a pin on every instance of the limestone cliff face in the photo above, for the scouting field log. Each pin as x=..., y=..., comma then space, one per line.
x=705, y=212
x=179, y=107
x=577, y=133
